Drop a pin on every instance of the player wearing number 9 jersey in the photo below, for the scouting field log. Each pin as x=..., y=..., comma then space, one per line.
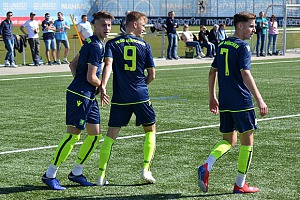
x=128, y=56
x=236, y=86
x=131, y=56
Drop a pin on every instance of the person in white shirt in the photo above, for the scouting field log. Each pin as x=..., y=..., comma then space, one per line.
x=32, y=34
x=84, y=28
x=188, y=38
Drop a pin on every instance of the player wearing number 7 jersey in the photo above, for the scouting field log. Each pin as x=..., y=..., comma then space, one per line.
x=236, y=87
x=128, y=56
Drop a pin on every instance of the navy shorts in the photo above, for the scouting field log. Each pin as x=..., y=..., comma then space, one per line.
x=241, y=121
x=81, y=110
x=121, y=114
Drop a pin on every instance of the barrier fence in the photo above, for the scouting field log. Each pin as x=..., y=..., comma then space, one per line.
x=162, y=43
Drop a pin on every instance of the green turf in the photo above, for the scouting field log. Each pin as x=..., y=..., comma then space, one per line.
x=33, y=113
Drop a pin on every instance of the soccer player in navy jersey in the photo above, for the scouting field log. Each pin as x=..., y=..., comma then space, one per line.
x=82, y=107
x=236, y=87
x=128, y=56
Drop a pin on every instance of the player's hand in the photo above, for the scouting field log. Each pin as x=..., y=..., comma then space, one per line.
x=214, y=105
x=97, y=91
x=263, y=108
x=104, y=97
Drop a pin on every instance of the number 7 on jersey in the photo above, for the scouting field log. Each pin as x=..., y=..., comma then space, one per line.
x=225, y=51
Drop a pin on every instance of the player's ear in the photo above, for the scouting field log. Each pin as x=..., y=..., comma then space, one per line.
x=134, y=24
x=240, y=26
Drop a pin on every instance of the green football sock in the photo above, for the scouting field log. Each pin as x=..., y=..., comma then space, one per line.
x=87, y=148
x=64, y=149
x=105, y=150
x=149, y=149
x=244, y=160
x=220, y=149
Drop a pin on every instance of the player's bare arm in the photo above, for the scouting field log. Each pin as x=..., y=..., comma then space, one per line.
x=92, y=77
x=249, y=81
x=73, y=65
x=151, y=75
x=107, y=69
x=213, y=101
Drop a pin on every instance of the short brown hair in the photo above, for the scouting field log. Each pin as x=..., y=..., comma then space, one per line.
x=103, y=14
x=135, y=16
x=243, y=17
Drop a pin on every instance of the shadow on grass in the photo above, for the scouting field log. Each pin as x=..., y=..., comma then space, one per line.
x=27, y=188
x=145, y=197
x=22, y=188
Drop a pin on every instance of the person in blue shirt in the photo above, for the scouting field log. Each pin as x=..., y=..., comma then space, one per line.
x=261, y=31
x=6, y=28
x=82, y=110
x=128, y=56
x=61, y=37
x=222, y=32
x=231, y=67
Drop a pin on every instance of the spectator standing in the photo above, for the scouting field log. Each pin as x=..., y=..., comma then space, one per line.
x=203, y=39
x=49, y=39
x=32, y=34
x=123, y=23
x=261, y=31
x=6, y=28
x=84, y=28
x=273, y=33
x=172, y=36
x=61, y=37
x=222, y=33
x=188, y=39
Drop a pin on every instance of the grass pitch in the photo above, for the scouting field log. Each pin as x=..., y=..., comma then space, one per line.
x=32, y=121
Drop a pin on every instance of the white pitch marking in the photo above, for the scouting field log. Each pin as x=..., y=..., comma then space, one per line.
x=157, y=69
x=142, y=135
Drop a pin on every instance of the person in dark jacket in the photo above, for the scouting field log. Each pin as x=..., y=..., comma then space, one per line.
x=6, y=32
x=204, y=42
x=172, y=36
x=213, y=36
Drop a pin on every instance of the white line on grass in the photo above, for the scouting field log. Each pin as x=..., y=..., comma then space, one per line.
x=34, y=77
x=142, y=135
x=157, y=69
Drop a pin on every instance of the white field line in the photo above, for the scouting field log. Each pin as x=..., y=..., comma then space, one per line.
x=142, y=135
x=157, y=69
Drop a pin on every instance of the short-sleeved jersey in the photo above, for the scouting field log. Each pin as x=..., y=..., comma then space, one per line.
x=233, y=56
x=92, y=52
x=61, y=32
x=131, y=56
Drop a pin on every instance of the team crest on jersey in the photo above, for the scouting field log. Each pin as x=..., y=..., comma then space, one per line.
x=248, y=47
x=79, y=103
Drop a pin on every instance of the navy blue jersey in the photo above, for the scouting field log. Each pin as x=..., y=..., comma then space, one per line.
x=233, y=56
x=131, y=56
x=92, y=52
